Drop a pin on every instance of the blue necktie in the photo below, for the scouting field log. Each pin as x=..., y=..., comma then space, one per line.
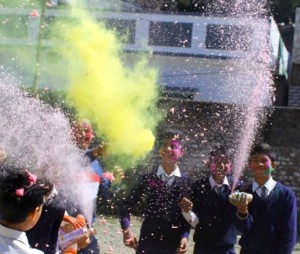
x=263, y=192
x=219, y=189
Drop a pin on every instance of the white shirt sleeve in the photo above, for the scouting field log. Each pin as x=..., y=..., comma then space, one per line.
x=191, y=218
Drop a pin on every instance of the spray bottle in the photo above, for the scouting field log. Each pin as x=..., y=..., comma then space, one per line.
x=65, y=239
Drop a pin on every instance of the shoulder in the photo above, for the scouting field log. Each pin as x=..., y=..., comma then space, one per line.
x=232, y=180
x=89, y=154
x=144, y=177
x=201, y=183
x=285, y=190
x=148, y=175
x=35, y=251
x=185, y=176
x=147, y=170
x=244, y=187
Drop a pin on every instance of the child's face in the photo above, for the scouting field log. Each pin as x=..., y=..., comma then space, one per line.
x=84, y=142
x=171, y=151
x=261, y=165
x=220, y=166
x=83, y=135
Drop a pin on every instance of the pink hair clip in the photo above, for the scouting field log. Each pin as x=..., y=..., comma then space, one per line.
x=32, y=178
x=20, y=192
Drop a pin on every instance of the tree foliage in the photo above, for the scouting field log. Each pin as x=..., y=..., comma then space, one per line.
x=282, y=10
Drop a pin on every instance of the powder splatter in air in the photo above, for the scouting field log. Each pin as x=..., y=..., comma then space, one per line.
x=120, y=100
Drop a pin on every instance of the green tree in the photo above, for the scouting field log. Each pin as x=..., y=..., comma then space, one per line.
x=284, y=10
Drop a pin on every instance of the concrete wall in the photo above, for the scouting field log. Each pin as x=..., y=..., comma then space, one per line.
x=294, y=78
x=284, y=135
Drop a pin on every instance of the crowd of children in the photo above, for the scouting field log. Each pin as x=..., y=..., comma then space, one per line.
x=32, y=214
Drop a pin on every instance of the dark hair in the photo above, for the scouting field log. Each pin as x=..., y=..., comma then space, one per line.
x=265, y=149
x=20, y=193
x=167, y=134
x=218, y=150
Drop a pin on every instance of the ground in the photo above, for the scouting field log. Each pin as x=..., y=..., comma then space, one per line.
x=110, y=236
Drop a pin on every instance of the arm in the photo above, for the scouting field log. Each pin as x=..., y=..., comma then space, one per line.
x=129, y=238
x=289, y=224
x=191, y=218
x=183, y=246
x=100, y=150
x=125, y=208
x=97, y=152
x=244, y=220
x=186, y=207
x=241, y=200
x=133, y=198
x=68, y=225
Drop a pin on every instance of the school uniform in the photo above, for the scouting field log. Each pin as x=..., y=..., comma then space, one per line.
x=44, y=234
x=213, y=217
x=163, y=226
x=15, y=242
x=271, y=225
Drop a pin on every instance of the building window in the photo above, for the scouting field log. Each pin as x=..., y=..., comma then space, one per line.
x=124, y=28
x=171, y=34
x=228, y=37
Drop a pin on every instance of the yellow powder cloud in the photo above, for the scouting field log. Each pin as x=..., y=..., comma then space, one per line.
x=119, y=100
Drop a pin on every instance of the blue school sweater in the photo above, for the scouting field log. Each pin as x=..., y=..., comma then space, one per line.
x=44, y=234
x=271, y=226
x=216, y=230
x=163, y=224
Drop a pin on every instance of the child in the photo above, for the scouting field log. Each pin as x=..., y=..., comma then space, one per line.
x=83, y=135
x=22, y=196
x=44, y=234
x=163, y=231
x=269, y=223
x=214, y=216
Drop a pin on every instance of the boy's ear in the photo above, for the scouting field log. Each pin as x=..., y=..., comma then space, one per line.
x=274, y=165
x=182, y=153
x=207, y=164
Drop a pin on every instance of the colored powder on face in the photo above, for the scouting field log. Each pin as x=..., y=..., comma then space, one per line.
x=119, y=100
x=268, y=165
x=220, y=163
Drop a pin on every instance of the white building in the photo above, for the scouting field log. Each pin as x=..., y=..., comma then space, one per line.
x=198, y=56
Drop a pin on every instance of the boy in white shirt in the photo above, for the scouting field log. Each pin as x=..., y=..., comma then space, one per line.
x=213, y=216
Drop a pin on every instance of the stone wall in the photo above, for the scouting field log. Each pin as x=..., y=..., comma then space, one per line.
x=207, y=124
x=284, y=135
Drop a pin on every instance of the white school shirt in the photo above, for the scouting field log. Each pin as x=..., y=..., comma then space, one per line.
x=15, y=242
x=169, y=179
x=191, y=217
x=213, y=183
x=270, y=184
